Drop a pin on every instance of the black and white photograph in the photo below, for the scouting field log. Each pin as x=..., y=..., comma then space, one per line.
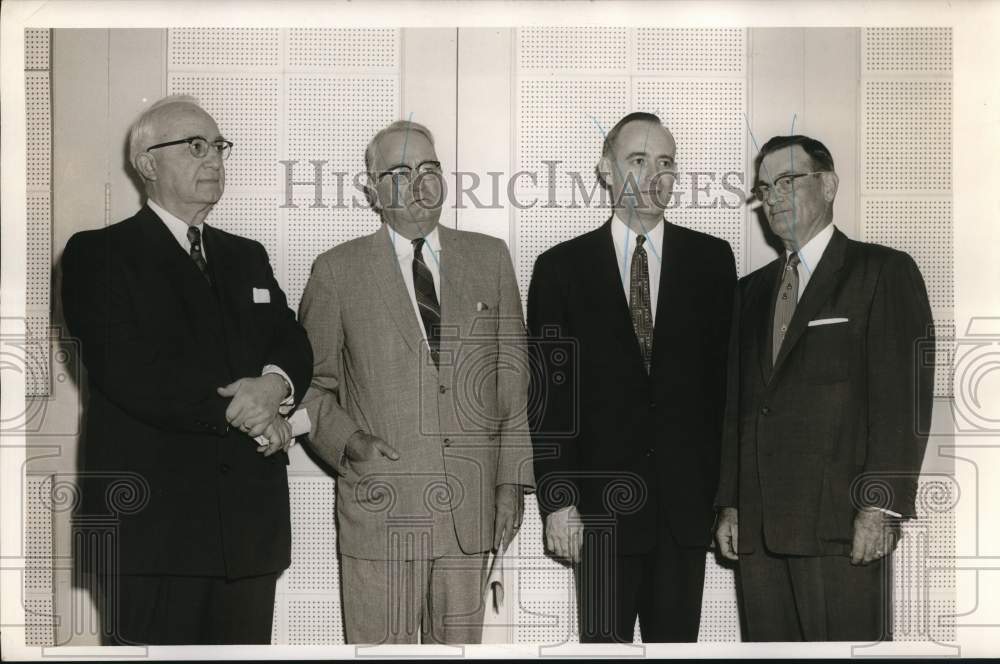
x=501, y=329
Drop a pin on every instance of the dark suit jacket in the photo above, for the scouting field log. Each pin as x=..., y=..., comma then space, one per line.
x=640, y=449
x=835, y=424
x=157, y=340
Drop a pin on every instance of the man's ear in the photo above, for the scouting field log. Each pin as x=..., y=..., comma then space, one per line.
x=145, y=164
x=603, y=172
x=371, y=193
x=830, y=184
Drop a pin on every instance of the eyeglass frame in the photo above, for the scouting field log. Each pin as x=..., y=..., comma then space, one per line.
x=223, y=151
x=409, y=171
x=790, y=177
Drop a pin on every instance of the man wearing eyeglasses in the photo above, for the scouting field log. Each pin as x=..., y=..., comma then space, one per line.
x=827, y=402
x=191, y=354
x=418, y=402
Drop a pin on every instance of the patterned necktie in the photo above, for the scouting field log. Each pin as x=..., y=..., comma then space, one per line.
x=194, y=237
x=639, y=302
x=427, y=302
x=784, y=306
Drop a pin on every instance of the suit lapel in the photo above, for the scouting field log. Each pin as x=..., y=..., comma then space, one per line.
x=384, y=273
x=224, y=270
x=452, y=277
x=180, y=272
x=762, y=305
x=672, y=280
x=608, y=289
x=818, y=291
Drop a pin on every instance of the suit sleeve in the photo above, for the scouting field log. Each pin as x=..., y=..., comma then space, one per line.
x=555, y=421
x=124, y=362
x=515, y=461
x=727, y=493
x=900, y=386
x=289, y=348
x=330, y=424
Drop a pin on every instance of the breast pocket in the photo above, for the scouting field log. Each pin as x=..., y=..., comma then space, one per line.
x=827, y=353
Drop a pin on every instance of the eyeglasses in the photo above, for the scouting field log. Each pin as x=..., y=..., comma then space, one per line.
x=199, y=146
x=782, y=185
x=404, y=172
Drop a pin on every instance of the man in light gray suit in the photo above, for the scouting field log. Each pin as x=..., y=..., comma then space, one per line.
x=418, y=402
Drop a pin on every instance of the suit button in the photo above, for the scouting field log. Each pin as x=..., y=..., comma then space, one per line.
x=652, y=405
x=765, y=410
x=650, y=452
x=224, y=468
x=447, y=442
x=442, y=389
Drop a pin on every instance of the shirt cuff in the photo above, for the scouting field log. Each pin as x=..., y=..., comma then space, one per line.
x=300, y=423
x=286, y=404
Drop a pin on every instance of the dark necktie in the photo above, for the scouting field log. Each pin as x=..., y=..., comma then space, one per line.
x=639, y=302
x=194, y=237
x=427, y=302
x=784, y=306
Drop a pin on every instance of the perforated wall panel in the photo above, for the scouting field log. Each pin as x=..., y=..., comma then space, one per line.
x=253, y=216
x=690, y=50
x=311, y=231
x=232, y=48
x=906, y=162
x=36, y=48
x=706, y=118
x=922, y=228
x=353, y=48
x=333, y=118
x=246, y=109
x=906, y=136
x=39, y=258
x=572, y=48
x=38, y=561
x=925, y=50
x=39, y=128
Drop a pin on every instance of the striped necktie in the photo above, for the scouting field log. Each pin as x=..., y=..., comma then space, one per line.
x=427, y=302
x=194, y=237
x=784, y=306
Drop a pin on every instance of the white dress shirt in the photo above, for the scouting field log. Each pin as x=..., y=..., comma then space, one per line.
x=810, y=255
x=625, y=243
x=179, y=229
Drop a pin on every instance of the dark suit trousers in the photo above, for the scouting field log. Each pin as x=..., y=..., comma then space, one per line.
x=186, y=610
x=663, y=587
x=814, y=598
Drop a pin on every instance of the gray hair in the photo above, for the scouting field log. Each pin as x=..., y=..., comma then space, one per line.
x=399, y=125
x=140, y=135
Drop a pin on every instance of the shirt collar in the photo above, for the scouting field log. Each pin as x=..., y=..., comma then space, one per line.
x=177, y=227
x=620, y=230
x=404, y=247
x=812, y=252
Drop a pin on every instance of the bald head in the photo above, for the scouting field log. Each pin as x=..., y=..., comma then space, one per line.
x=151, y=125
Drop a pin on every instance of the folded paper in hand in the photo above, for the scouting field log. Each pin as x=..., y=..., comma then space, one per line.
x=494, y=580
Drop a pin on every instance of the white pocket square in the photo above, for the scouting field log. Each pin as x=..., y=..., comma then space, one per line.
x=261, y=296
x=826, y=321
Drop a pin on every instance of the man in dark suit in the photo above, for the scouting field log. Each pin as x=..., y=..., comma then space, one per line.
x=628, y=430
x=826, y=402
x=190, y=352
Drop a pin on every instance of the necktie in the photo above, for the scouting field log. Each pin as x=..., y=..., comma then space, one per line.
x=784, y=306
x=194, y=237
x=427, y=302
x=639, y=302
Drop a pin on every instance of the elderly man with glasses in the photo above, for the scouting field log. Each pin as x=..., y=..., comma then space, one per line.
x=418, y=402
x=191, y=353
x=828, y=406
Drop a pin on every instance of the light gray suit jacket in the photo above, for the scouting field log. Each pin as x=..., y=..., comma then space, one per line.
x=461, y=430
